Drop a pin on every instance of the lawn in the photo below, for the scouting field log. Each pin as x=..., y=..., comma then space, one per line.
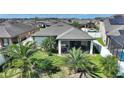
x=61, y=61
x=96, y=60
x=100, y=41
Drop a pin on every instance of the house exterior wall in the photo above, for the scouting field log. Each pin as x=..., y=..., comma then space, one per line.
x=25, y=35
x=39, y=40
x=5, y=41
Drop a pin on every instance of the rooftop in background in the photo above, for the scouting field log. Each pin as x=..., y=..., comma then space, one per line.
x=114, y=24
x=9, y=29
x=114, y=27
x=116, y=21
x=63, y=31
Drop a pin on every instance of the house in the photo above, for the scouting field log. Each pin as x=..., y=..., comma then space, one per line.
x=112, y=30
x=13, y=32
x=46, y=23
x=66, y=36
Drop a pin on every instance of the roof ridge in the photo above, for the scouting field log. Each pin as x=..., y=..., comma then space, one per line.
x=64, y=33
x=8, y=31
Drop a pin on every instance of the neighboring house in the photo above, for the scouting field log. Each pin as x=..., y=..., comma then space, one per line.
x=67, y=37
x=86, y=23
x=112, y=30
x=13, y=32
x=46, y=23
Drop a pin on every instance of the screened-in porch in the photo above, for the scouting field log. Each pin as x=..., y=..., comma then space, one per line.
x=116, y=47
x=65, y=45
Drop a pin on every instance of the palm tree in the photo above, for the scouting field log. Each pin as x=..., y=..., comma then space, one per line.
x=109, y=66
x=81, y=64
x=75, y=57
x=49, y=44
x=19, y=57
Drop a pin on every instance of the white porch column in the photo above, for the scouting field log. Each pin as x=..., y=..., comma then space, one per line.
x=59, y=47
x=10, y=41
x=91, y=47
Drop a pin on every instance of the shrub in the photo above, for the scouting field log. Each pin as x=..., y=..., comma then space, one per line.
x=109, y=66
x=46, y=66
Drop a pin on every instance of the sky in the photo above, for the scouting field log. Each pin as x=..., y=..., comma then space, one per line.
x=53, y=15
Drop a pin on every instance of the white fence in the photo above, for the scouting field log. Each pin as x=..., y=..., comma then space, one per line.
x=121, y=67
x=103, y=50
x=95, y=34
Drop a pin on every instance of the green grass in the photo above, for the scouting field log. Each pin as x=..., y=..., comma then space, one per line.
x=100, y=41
x=60, y=61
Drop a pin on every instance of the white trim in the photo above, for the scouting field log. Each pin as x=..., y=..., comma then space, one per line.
x=91, y=47
x=59, y=47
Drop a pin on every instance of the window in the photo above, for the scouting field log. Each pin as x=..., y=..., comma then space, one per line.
x=5, y=42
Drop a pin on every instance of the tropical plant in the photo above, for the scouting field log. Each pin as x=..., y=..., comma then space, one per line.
x=81, y=63
x=109, y=66
x=19, y=57
x=9, y=73
x=49, y=44
x=46, y=66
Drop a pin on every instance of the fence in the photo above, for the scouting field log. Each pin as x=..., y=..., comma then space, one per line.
x=95, y=34
x=103, y=50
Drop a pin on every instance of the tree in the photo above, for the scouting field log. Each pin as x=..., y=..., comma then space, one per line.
x=81, y=64
x=76, y=24
x=19, y=58
x=49, y=44
x=109, y=66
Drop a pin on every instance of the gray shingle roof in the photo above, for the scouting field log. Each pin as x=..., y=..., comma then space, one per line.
x=8, y=30
x=63, y=31
x=115, y=32
x=75, y=34
x=54, y=30
x=112, y=29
